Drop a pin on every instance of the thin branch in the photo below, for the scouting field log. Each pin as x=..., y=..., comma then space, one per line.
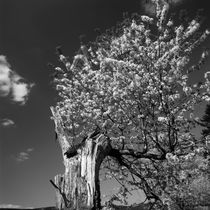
x=139, y=155
x=116, y=154
x=66, y=201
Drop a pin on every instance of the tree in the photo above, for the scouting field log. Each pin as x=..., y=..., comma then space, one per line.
x=127, y=102
x=189, y=188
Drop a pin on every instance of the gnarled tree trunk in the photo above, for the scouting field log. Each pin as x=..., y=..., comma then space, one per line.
x=79, y=188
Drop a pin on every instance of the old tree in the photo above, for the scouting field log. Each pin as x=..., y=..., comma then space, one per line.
x=127, y=102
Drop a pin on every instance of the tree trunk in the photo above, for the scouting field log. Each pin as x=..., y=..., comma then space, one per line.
x=79, y=187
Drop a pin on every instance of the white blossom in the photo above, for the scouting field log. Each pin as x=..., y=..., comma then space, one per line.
x=145, y=18
x=207, y=75
x=162, y=119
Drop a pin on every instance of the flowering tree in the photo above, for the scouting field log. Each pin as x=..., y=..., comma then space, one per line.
x=127, y=101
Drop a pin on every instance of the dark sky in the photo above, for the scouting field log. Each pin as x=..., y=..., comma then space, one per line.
x=30, y=30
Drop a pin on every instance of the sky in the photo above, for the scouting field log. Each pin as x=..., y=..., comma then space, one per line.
x=30, y=30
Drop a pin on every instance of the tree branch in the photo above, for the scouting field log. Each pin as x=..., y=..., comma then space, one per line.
x=66, y=201
x=118, y=156
x=139, y=155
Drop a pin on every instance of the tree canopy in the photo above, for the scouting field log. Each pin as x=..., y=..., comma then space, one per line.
x=133, y=84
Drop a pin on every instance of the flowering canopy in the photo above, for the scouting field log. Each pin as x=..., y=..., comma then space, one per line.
x=133, y=83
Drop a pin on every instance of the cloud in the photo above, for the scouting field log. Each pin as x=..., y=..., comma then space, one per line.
x=6, y=123
x=30, y=150
x=12, y=84
x=20, y=89
x=12, y=206
x=5, y=81
x=22, y=156
x=9, y=206
x=150, y=8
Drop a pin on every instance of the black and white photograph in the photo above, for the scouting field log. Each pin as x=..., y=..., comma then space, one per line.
x=105, y=104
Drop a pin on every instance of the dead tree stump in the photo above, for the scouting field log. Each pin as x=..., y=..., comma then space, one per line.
x=79, y=188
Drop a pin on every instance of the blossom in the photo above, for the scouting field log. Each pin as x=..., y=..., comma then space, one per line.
x=145, y=18
x=207, y=75
x=205, y=54
x=206, y=98
x=162, y=119
x=172, y=158
x=194, y=25
x=182, y=175
x=62, y=58
x=187, y=90
x=189, y=156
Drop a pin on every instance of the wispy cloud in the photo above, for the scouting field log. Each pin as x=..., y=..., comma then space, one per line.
x=30, y=150
x=150, y=8
x=12, y=84
x=22, y=156
x=5, y=81
x=6, y=123
x=12, y=206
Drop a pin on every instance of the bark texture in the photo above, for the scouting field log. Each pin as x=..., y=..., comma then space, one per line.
x=79, y=188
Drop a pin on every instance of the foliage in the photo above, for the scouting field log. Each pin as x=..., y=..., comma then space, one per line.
x=187, y=181
x=134, y=84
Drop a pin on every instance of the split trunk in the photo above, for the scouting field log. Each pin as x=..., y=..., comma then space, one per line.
x=79, y=188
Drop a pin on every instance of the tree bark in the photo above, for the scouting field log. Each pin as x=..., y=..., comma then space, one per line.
x=79, y=187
